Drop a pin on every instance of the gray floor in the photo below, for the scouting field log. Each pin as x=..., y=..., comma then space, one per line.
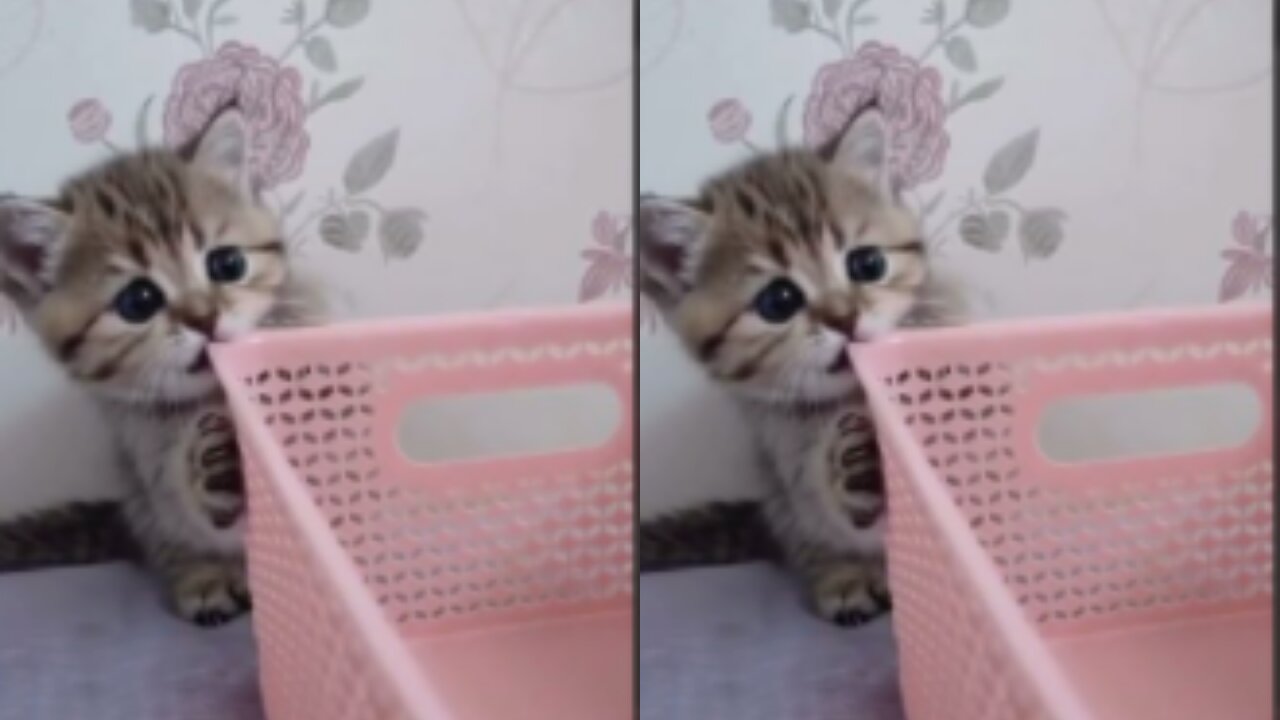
x=94, y=643
x=716, y=644
x=734, y=644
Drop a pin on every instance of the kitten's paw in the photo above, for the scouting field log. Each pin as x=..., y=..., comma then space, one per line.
x=850, y=594
x=217, y=478
x=210, y=593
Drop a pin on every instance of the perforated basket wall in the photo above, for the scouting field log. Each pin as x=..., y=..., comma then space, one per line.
x=993, y=547
x=352, y=546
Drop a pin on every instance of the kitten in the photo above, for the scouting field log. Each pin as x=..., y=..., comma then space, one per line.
x=767, y=277
x=126, y=278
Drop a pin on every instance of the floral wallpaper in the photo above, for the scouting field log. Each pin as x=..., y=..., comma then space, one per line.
x=278, y=97
x=1250, y=269
x=424, y=157
x=909, y=87
x=1063, y=157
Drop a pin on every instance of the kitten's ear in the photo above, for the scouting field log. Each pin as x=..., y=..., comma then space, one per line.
x=31, y=233
x=667, y=235
x=863, y=151
x=222, y=149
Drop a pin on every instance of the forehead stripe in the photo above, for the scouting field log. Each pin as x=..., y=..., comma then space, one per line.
x=779, y=254
x=197, y=233
x=138, y=253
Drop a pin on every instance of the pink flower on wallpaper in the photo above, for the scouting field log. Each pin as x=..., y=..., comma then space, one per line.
x=909, y=95
x=89, y=120
x=270, y=95
x=1249, y=264
x=608, y=262
x=730, y=120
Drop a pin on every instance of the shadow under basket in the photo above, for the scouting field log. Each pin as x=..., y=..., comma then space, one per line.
x=463, y=590
x=1131, y=588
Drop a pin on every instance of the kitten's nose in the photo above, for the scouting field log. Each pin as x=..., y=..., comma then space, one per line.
x=839, y=317
x=203, y=321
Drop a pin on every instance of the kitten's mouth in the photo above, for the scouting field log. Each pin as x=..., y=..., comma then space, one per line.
x=201, y=363
x=840, y=363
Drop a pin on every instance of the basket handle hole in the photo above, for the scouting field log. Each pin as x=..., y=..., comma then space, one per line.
x=1151, y=423
x=551, y=419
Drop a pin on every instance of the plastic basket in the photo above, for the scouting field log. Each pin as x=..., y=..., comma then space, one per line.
x=1124, y=589
x=466, y=590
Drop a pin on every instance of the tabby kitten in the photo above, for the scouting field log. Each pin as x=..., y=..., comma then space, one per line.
x=766, y=277
x=126, y=278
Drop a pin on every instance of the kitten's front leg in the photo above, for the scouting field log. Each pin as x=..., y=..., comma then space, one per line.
x=838, y=547
x=854, y=471
x=208, y=588
x=213, y=461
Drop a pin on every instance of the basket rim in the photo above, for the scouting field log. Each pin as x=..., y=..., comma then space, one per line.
x=475, y=321
x=1064, y=329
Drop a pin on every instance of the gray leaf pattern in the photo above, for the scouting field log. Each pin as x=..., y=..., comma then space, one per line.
x=935, y=14
x=930, y=205
x=345, y=232
x=401, y=232
x=346, y=13
x=150, y=15
x=291, y=206
x=960, y=52
x=832, y=7
x=1040, y=233
x=983, y=90
x=296, y=14
x=986, y=13
x=780, y=126
x=341, y=91
x=985, y=231
x=790, y=15
x=1011, y=163
x=371, y=163
x=854, y=19
x=140, y=123
x=321, y=53
x=191, y=7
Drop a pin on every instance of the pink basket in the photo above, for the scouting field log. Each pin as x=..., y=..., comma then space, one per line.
x=1133, y=589
x=466, y=590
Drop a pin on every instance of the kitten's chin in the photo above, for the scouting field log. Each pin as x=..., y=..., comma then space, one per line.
x=815, y=388
x=171, y=388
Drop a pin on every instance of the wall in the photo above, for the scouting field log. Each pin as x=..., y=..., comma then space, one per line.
x=1066, y=157
x=427, y=157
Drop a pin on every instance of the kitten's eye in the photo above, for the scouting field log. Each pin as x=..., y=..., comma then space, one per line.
x=866, y=265
x=139, y=301
x=779, y=301
x=226, y=265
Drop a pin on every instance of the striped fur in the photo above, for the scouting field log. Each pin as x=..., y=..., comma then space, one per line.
x=718, y=533
x=79, y=533
x=797, y=217
x=158, y=217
